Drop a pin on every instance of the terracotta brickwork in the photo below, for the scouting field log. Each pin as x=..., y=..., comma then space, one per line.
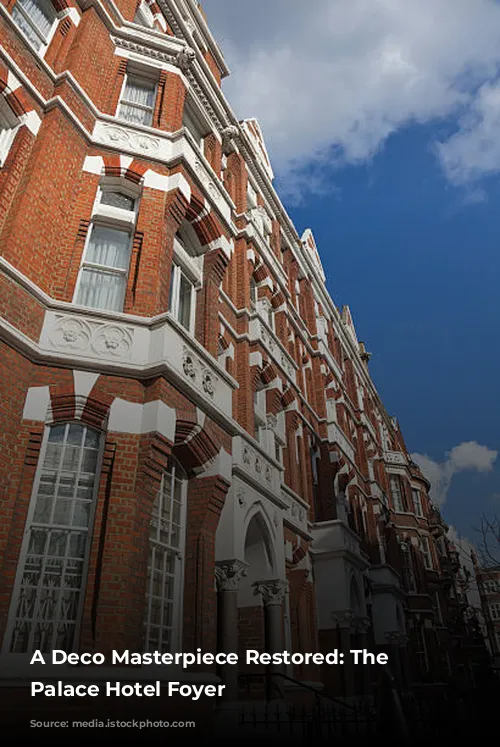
x=224, y=355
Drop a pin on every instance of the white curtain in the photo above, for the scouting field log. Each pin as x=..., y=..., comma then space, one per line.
x=98, y=288
x=42, y=15
x=109, y=247
x=138, y=101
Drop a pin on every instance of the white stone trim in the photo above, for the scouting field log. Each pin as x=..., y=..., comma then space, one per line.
x=37, y=405
x=73, y=15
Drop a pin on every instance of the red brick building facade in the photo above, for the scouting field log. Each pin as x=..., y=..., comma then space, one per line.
x=488, y=584
x=193, y=452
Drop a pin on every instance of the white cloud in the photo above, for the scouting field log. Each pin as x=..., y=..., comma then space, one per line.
x=466, y=456
x=332, y=80
x=474, y=151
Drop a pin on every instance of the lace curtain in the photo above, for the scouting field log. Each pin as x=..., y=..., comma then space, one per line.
x=103, y=286
x=35, y=18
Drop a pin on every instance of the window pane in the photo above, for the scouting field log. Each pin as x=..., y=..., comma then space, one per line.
x=138, y=100
x=26, y=26
x=117, y=199
x=135, y=115
x=171, y=291
x=41, y=12
x=185, y=296
x=101, y=290
x=139, y=91
x=164, y=565
x=42, y=15
x=109, y=247
x=52, y=571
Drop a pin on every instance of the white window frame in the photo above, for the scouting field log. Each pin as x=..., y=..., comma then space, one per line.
x=397, y=494
x=178, y=273
x=177, y=596
x=189, y=267
x=145, y=14
x=491, y=587
x=417, y=503
x=426, y=550
x=494, y=608
x=144, y=74
x=193, y=123
x=254, y=293
x=44, y=40
x=108, y=216
x=7, y=640
x=9, y=126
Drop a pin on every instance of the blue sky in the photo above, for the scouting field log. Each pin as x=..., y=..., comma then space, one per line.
x=382, y=120
x=419, y=265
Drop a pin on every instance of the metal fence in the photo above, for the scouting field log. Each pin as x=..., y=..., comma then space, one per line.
x=407, y=718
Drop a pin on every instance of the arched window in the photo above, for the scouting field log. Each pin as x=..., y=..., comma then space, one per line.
x=48, y=594
x=165, y=566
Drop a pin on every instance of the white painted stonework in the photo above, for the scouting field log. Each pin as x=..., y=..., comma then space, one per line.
x=37, y=404
x=336, y=435
x=395, y=457
x=168, y=149
x=386, y=604
x=338, y=564
x=258, y=331
x=256, y=467
x=138, y=346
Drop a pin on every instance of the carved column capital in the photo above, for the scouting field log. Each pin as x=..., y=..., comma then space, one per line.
x=228, y=574
x=273, y=591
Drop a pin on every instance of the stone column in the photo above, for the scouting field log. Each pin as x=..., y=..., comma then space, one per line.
x=403, y=661
x=394, y=662
x=343, y=621
x=361, y=625
x=227, y=575
x=273, y=594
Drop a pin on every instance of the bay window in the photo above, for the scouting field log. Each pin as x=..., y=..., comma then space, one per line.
x=396, y=493
x=254, y=294
x=181, y=304
x=417, y=503
x=137, y=100
x=165, y=564
x=426, y=552
x=9, y=125
x=36, y=19
x=103, y=277
x=184, y=280
x=50, y=583
x=194, y=123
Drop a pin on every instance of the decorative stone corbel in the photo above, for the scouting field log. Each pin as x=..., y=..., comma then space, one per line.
x=185, y=58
